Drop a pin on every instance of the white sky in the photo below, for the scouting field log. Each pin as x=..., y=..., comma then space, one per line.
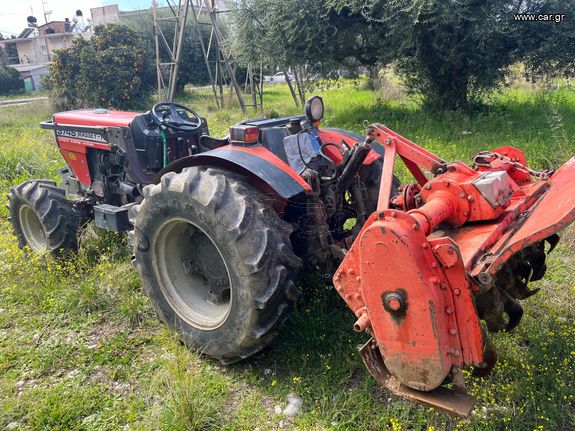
x=13, y=13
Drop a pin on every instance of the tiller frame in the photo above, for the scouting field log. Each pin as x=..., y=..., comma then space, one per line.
x=415, y=269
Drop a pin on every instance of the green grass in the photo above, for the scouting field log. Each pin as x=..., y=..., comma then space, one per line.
x=81, y=349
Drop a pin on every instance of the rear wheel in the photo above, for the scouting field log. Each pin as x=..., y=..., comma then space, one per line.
x=43, y=218
x=216, y=261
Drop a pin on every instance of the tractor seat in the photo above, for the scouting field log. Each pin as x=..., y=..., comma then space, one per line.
x=208, y=142
x=273, y=140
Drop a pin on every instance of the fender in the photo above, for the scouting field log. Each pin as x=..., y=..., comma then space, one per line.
x=265, y=171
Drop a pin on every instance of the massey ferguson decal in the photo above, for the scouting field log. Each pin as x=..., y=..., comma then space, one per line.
x=84, y=136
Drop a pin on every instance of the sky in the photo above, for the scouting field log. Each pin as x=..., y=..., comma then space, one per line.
x=13, y=13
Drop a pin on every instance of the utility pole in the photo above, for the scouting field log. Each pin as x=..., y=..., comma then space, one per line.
x=167, y=70
x=227, y=57
x=46, y=13
x=167, y=90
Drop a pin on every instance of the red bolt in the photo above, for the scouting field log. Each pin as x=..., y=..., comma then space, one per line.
x=356, y=296
x=394, y=304
x=449, y=310
x=350, y=271
x=457, y=291
x=453, y=332
x=394, y=214
x=357, y=278
x=425, y=246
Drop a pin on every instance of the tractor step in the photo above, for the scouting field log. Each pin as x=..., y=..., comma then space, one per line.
x=110, y=217
x=451, y=401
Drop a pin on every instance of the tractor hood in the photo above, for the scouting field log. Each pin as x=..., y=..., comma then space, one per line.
x=95, y=118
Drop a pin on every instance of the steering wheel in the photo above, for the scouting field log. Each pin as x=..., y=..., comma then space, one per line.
x=174, y=117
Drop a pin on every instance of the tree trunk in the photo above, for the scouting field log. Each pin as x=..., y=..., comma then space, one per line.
x=291, y=89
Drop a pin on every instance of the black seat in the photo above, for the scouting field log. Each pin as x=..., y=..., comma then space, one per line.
x=208, y=142
x=273, y=140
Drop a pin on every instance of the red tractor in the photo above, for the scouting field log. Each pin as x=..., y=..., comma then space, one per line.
x=221, y=228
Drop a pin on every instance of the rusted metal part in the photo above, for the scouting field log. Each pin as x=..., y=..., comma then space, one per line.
x=552, y=212
x=419, y=156
x=487, y=159
x=387, y=174
x=422, y=275
x=414, y=338
x=459, y=292
x=497, y=163
x=510, y=284
x=456, y=403
x=408, y=199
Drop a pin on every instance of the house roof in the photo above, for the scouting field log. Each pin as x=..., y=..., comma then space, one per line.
x=29, y=67
x=51, y=22
x=44, y=36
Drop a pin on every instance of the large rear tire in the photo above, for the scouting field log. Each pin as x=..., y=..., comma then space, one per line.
x=43, y=218
x=216, y=261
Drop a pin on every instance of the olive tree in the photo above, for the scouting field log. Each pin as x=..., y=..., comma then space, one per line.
x=446, y=51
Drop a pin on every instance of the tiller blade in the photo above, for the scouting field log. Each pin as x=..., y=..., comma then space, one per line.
x=452, y=401
x=421, y=279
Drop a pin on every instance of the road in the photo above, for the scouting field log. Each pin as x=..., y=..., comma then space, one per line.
x=18, y=102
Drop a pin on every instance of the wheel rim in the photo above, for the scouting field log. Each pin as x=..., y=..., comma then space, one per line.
x=32, y=229
x=193, y=274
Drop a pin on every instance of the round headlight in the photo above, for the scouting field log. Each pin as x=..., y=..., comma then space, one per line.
x=314, y=108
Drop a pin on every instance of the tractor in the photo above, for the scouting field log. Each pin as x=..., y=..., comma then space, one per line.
x=221, y=228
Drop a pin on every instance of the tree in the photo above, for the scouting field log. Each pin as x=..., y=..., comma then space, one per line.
x=286, y=34
x=447, y=51
x=10, y=80
x=109, y=70
x=550, y=46
x=8, y=52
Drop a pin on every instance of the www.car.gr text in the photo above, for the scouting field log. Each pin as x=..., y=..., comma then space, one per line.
x=546, y=17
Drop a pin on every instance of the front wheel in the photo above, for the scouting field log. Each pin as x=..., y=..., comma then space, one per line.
x=216, y=261
x=43, y=218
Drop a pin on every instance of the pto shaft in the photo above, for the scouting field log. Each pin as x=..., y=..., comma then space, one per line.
x=440, y=207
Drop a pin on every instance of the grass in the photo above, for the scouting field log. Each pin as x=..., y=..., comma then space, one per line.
x=81, y=349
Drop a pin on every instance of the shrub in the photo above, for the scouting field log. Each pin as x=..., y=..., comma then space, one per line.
x=10, y=80
x=109, y=70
